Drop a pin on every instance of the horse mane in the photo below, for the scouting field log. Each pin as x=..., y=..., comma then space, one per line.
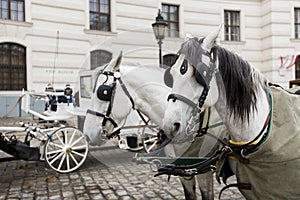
x=241, y=80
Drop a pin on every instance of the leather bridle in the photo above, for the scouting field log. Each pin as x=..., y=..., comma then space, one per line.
x=106, y=117
x=203, y=74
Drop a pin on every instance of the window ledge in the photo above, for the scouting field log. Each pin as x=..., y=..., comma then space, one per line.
x=10, y=93
x=97, y=32
x=16, y=23
x=232, y=42
x=172, y=39
x=295, y=39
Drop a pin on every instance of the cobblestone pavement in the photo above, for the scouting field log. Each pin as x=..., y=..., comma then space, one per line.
x=108, y=173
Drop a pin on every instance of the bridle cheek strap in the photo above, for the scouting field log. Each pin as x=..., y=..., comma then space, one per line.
x=174, y=97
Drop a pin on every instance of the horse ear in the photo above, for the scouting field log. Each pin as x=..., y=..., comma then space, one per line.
x=210, y=39
x=187, y=37
x=116, y=63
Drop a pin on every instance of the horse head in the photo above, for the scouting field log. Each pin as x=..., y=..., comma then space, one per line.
x=109, y=104
x=193, y=74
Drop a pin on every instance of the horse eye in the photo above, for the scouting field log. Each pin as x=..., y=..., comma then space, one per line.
x=184, y=67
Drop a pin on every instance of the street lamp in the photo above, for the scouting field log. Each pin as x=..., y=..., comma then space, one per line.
x=159, y=28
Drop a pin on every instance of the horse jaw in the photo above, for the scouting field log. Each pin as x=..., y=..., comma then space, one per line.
x=209, y=40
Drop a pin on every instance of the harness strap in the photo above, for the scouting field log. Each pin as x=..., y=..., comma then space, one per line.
x=102, y=115
x=174, y=97
x=111, y=102
x=251, y=146
x=126, y=92
x=142, y=117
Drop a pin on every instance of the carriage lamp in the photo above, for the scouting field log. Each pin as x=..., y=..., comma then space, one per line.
x=159, y=28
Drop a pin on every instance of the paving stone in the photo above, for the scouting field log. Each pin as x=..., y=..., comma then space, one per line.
x=121, y=192
x=150, y=194
x=111, y=197
x=125, y=198
x=106, y=192
x=67, y=194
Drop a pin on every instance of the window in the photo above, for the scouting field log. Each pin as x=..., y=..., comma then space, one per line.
x=297, y=22
x=99, y=58
x=12, y=9
x=100, y=15
x=12, y=67
x=169, y=59
x=232, y=25
x=86, y=89
x=171, y=16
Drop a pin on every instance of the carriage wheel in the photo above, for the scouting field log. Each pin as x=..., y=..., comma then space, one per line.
x=66, y=149
x=150, y=137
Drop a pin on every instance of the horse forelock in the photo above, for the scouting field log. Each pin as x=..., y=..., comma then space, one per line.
x=241, y=83
x=192, y=49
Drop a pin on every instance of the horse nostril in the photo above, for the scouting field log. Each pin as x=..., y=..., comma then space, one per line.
x=177, y=126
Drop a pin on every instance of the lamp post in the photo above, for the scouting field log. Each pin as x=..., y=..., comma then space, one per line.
x=159, y=28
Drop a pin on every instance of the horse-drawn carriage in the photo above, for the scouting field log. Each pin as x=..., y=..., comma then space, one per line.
x=64, y=147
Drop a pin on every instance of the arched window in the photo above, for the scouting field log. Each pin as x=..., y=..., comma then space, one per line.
x=99, y=58
x=12, y=67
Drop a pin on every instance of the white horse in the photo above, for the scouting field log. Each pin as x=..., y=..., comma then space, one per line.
x=121, y=87
x=263, y=120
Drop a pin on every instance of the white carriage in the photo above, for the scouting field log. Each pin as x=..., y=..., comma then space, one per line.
x=64, y=148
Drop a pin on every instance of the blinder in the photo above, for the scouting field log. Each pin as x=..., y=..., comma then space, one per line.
x=203, y=74
x=104, y=92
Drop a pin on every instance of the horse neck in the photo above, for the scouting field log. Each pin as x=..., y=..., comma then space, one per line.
x=245, y=131
x=149, y=97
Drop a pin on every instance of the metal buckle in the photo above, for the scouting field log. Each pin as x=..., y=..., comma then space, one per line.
x=192, y=171
x=155, y=164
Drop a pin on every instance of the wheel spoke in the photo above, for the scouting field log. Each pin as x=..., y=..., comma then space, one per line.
x=66, y=136
x=53, y=152
x=58, y=137
x=68, y=161
x=56, y=145
x=72, y=137
x=77, y=153
x=79, y=147
x=77, y=141
x=73, y=158
x=61, y=161
x=57, y=157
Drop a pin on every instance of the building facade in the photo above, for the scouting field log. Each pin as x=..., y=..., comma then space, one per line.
x=50, y=41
